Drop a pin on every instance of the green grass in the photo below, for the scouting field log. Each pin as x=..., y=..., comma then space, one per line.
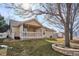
x=39, y=47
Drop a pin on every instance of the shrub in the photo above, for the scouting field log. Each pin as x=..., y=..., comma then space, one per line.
x=1, y=47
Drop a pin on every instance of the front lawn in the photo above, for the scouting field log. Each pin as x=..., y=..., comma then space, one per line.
x=39, y=47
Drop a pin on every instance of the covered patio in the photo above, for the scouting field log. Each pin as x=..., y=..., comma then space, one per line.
x=31, y=31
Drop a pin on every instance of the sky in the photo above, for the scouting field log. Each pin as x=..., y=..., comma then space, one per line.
x=9, y=13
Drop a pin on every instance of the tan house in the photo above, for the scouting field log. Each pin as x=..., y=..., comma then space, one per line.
x=30, y=29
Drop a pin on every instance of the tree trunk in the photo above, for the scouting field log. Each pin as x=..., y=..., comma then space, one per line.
x=71, y=33
x=66, y=26
x=67, y=41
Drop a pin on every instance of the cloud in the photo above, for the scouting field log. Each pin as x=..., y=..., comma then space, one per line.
x=26, y=5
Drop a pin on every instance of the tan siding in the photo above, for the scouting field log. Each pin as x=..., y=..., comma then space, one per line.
x=16, y=30
x=47, y=32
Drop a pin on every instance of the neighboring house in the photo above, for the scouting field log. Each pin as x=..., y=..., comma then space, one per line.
x=3, y=35
x=60, y=35
x=4, y=32
x=30, y=29
x=76, y=35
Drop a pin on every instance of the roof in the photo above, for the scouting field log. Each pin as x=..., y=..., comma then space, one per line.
x=18, y=23
x=32, y=21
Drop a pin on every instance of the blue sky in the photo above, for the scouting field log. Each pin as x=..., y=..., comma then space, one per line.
x=9, y=13
x=6, y=12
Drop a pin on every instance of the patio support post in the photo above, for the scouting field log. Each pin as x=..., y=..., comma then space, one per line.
x=21, y=32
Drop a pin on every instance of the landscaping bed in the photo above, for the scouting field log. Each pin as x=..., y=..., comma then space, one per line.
x=58, y=46
x=72, y=51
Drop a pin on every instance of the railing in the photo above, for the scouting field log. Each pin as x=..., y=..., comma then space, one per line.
x=32, y=35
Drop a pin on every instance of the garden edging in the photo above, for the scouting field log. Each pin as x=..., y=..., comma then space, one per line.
x=66, y=51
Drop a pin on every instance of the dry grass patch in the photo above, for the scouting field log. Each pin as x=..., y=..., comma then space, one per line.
x=58, y=40
x=3, y=51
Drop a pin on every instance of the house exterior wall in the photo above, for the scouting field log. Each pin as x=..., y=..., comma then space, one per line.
x=47, y=33
x=16, y=30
